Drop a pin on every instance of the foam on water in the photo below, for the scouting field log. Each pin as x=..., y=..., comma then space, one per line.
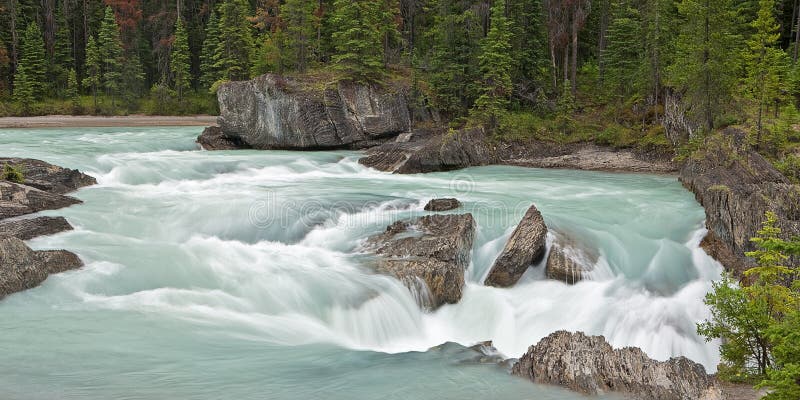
x=264, y=247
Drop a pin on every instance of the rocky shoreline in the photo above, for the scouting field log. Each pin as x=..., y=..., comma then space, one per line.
x=44, y=188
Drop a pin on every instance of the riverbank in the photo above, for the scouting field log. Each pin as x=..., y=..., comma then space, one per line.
x=71, y=121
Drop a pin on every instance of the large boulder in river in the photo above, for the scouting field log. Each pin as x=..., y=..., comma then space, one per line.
x=48, y=177
x=569, y=262
x=433, y=152
x=275, y=112
x=22, y=268
x=34, y=227
x=434, y=250
x=16, y=200
x=588, y=364
x=525, y=247
x=737, y=186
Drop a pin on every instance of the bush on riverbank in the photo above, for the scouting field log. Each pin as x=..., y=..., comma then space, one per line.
x=152, y=104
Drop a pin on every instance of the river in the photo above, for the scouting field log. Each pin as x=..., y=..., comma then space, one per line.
x=238, y=275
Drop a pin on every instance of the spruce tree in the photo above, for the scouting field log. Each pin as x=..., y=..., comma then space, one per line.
x=233, y=54
x=496, y=65
x=24, y=90
x=624, y=58
x=359, y=38
x=301, y=26
x=179, y=61
x=111, y=53
x=706, y=52
x=93, y=69
x=766, y=65
x=208, y=71
x=62, y=62
x=72, y=90
x=32, y=62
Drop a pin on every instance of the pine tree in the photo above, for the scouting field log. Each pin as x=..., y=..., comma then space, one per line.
x=301, y=25
x=706, y=55
x=496, y=65
x=455, y=35
x=529, y=39
x=766, y=65
x=62, y=62
x=111, y=53
x=624, y=58
x=72, y=90
x=233, y=54
x=359, y=38
x=179, y=60
x=32, y=62
x=93, y=69
x=208, y=72
x=24, y=90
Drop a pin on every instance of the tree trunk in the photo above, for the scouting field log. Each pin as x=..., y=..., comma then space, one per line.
x=601, y=41
x=707, y=75
x=796, y=34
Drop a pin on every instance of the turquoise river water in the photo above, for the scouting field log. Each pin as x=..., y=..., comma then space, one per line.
x=238, y=275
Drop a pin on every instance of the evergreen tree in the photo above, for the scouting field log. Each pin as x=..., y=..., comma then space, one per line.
x=529, y=39
x=208, y=72
x=624, y=58
x=359, y=38
x=93, y=69
x=179, y=60
x=111, y=53
x=62, y=62
x=32, y=62
x=496, y=65
x=232, y=57
x=72, y=90
x=766, y=65
x=24, y=90
x=705, y=62
x=133, y=80
x=453, y=68
x=301, y=26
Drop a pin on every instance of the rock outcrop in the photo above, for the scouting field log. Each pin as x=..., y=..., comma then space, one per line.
x=213, y=138
x=16, y=200
x=30, y=228
x=442, y=205
x=22, y=268
x=433, y=152
x=525, y=247
x=274, y=112
x=48, y=177
x=588, y=364
x=737, y=187
x=433, y=250
x=568, y=262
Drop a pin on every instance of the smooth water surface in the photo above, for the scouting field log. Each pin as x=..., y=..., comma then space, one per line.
x=239, y=275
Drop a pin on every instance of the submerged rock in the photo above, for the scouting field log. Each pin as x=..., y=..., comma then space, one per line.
x=48, y=177
x=274, y=112
x=30, y=228
x=442, y=205
x=588, y=364
x=22, y=268
x=433, y=250
x=568, y=262
x=16, y=200
x=737, y=186
x=213, y=138
x=525, y=247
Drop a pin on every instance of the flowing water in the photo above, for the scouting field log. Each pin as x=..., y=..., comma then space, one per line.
x=238, y=275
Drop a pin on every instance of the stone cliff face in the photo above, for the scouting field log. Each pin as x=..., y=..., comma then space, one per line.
x=273, y=112
x=737, y=187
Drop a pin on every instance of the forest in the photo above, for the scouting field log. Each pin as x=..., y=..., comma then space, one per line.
x=516, y=65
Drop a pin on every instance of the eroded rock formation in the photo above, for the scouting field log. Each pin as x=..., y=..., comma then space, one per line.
x=274, y=112
x=22, y=268
x=442, y=205
x=588, y=364
x=30, y=228
x=434, y=250
x=525, y=247
x=568, y=261
x=48, y=177
x=737, y=187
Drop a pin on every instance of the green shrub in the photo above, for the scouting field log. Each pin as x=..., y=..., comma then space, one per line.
x=790, y=167
x=12, y=174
